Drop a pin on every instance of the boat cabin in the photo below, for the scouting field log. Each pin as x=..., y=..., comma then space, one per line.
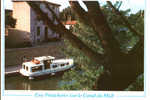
x=46, y=60
x=38, y=64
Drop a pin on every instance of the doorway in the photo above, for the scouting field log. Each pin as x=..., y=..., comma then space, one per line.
x=46, y=33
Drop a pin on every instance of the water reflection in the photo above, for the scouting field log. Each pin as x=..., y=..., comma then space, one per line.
x=21, y=83
x=26, y=86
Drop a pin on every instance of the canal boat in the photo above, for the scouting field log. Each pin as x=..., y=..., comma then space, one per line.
x=45, y=65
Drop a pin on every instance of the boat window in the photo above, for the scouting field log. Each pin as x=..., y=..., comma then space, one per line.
x=49, y=61
x=36, y=68
x=23, y=66
x=62, y=65
x=26, y=68
x=67, y=63
x=47, y=67
x=54, y=66
x=47, y=64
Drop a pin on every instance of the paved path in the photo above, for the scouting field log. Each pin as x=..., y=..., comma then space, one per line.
x=12, y=68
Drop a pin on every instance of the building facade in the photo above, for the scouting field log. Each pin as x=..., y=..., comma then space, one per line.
x=28, y=20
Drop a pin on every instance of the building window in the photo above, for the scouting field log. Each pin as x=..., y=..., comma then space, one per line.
x=38, y=31
x=46, y=33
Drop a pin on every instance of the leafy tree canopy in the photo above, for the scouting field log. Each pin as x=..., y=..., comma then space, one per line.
x=9, y=20
x=67, y=14
x=84, y=77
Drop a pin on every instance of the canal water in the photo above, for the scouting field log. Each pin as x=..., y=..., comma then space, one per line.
x=19, y=82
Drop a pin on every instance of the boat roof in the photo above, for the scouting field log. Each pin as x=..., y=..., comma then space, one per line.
x=59, y=61
x=62, y=61
x=44, y=58
x=32, y=64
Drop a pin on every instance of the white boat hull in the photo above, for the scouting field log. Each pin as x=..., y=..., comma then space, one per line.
x=40, y=73
x=51, y=70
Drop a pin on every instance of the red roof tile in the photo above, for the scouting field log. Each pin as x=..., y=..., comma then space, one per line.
x=70, y=22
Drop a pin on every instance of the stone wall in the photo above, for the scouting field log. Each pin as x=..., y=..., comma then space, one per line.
x=14, y=56
x=35, y=22
x=16, y=38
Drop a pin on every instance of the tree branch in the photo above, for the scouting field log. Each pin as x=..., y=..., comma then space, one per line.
x=141, y=41
x=99, y=21
x=53, y=14
x=81, y=13
x=124, y=19
x=83, y=16
x=74, y=40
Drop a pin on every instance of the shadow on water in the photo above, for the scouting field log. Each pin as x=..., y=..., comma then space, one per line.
x=21, y=83
x=47, y=82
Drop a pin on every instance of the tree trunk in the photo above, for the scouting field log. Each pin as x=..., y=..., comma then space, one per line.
x=124, y=71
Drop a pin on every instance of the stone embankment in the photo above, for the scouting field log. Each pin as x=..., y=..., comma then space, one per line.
x=13, y=57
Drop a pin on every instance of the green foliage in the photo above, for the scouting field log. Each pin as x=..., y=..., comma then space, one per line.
x=87, y=35
x=67, y=14
x=84, y=75
x=137, y=85
x=124, y=36
x=9, y=20
x=137, y=21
